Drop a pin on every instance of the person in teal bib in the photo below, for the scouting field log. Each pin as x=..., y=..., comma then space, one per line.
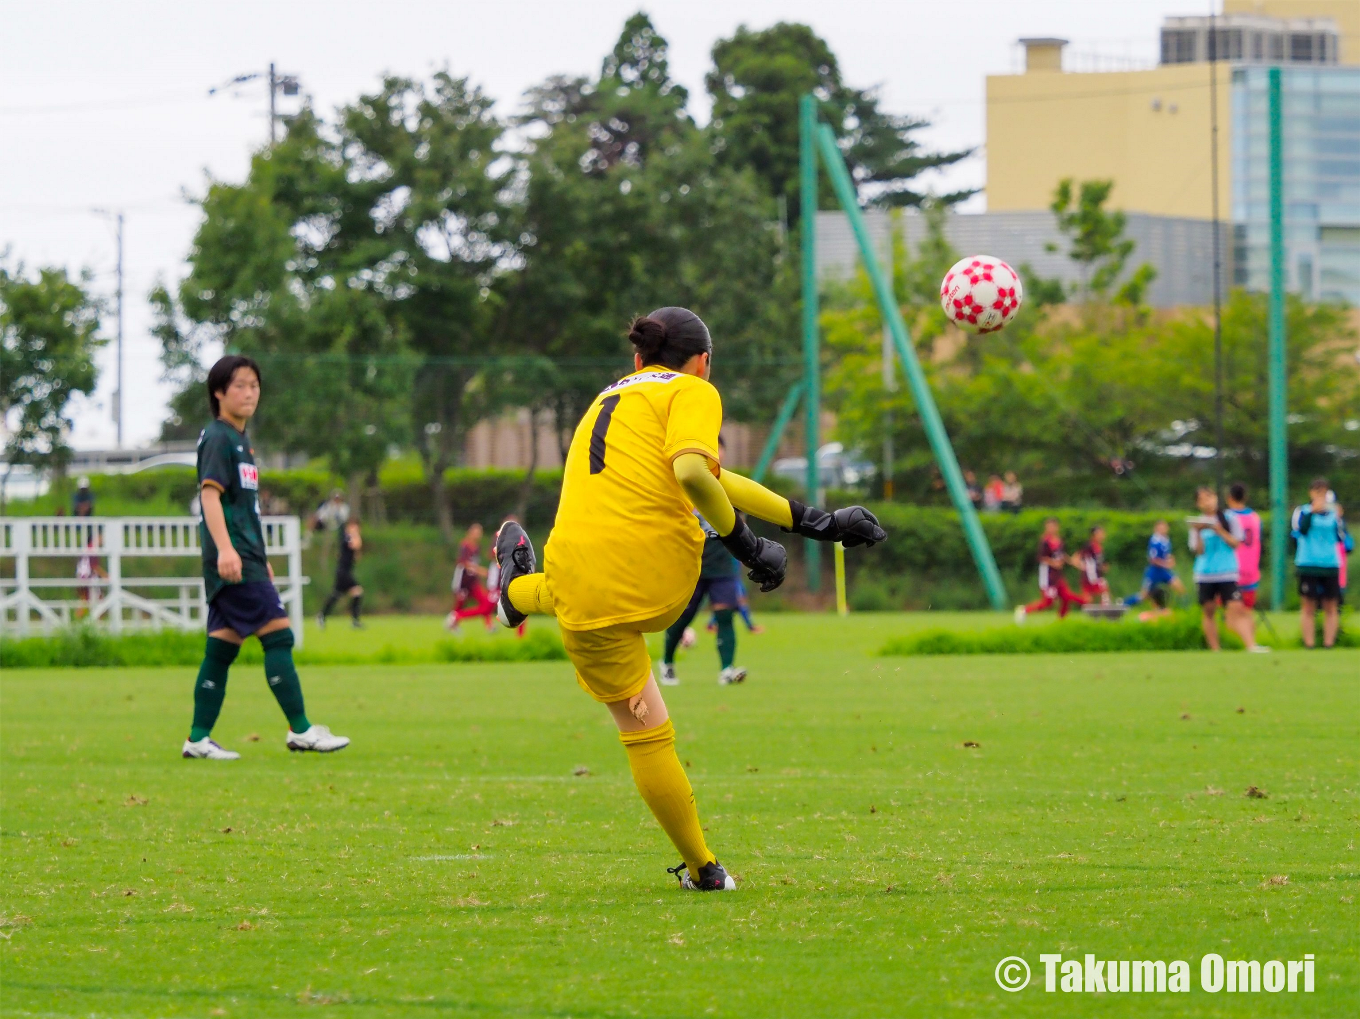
x=1319, y=536
x=1214, y=538
x=238, y=581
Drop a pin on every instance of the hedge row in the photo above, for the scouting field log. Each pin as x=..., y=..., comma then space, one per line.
x=473, y=495
x=487, y=495
x=927, y=540
x=84, y=647
x=1180, y=632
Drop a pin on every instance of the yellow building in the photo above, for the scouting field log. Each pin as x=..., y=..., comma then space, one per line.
x=1149, y=132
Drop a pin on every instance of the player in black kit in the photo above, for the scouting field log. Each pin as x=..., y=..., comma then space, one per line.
x=351, y=541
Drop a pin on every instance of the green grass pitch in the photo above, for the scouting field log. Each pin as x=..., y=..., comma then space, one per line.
x=453, y=862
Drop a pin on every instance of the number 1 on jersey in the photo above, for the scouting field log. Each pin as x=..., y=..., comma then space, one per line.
x=600, y=430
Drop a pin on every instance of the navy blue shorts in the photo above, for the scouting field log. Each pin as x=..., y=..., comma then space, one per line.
x=720, y=591
x=245, y=607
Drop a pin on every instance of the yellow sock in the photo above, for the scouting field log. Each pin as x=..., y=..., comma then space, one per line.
x=663, y=784
x=530, y=594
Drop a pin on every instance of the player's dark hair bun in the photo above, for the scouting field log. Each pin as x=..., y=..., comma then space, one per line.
x=669, y=337
x=648, y=336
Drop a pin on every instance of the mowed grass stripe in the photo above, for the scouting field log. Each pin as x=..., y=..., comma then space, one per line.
x=1084, y=821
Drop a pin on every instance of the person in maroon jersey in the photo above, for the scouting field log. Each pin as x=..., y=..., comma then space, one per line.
x=1092, y=559
x=470, y=595
x=1052, y=585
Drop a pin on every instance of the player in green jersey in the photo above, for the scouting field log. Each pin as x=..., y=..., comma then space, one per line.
x=237, y=578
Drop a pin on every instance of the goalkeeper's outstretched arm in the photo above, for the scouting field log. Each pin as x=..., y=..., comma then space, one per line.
x=757, y=500
x=851, y=526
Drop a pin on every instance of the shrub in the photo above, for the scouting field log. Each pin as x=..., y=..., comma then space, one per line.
x=536, y=646
x=85, y=647
x=1180, y=632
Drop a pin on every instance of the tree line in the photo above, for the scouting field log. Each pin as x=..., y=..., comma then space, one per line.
x=1092, y=397
x=422, y=259
x=418, y=262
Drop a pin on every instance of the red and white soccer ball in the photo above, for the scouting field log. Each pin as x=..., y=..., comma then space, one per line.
x=981, y=294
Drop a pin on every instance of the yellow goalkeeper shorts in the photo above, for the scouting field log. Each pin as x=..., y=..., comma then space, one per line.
x=612, y=663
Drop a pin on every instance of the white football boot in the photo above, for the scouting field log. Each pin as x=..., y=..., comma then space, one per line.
x=318, y=738
x=731, y=674
x=207, y=749
x=666, y=675
x=1020, y=615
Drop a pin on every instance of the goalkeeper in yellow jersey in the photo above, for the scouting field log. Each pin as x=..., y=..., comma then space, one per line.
x=624, y=554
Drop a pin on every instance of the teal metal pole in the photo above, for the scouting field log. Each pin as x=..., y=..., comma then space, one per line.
x=812, y=393
x=916, y=379
x=1278, y=394
x=781, y=422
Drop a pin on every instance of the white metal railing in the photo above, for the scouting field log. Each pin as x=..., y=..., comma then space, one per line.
x=112, y=600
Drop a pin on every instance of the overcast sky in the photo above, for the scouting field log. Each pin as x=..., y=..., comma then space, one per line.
x=104, y=104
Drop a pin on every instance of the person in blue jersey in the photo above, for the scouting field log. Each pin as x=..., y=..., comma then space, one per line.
x=1319, y=534
x=1214, y=537
x=1159, y=574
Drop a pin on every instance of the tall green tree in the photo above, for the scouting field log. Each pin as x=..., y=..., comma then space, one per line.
x=756, y=83
x=623, y=210
x=272, y=278
x=1065, y=399
x=356, y=262
x=49, y=326
x=1096, y=240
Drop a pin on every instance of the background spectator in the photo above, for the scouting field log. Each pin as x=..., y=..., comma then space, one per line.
x=332, y=514
x=1345, y=545
x=1012, y=494
x=974, y=492
x=82, y=503
x=992, y=494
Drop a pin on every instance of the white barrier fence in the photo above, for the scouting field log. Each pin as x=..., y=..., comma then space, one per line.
x=96, y=547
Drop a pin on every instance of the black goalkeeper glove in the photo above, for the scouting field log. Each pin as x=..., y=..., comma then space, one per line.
x=852, y=526
x=766, y=559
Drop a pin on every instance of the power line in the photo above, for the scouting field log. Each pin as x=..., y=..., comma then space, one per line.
x=160, y=99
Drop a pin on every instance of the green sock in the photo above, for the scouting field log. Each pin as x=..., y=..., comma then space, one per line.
x=727, y=638
x=283, y=678
x=674, y=634
x=211, y=686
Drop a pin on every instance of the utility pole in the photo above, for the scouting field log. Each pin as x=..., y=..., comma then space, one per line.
x=286, y=84
x=889, y=373
x=812, y=394
x=1218, y=259
x=1278, y=377
x=117, y=415
x=118, y=393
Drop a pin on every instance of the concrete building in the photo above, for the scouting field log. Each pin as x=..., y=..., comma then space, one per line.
x=1179, y=248
x=1149, y=132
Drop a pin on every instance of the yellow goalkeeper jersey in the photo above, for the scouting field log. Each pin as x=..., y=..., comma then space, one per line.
x=624, y=546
